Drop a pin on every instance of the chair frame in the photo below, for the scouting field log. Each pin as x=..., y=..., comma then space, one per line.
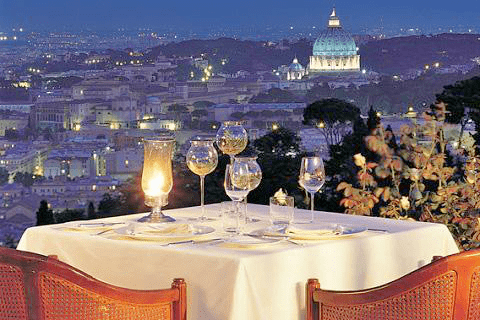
x=464, y=264
x=33, y=265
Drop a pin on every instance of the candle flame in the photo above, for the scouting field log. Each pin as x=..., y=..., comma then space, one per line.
x=155, y=186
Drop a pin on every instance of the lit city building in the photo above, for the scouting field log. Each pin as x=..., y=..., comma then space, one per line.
x=295, y=71
x=334, y=50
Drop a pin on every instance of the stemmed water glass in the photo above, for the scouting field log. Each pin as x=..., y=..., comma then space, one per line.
x=236, y=187
x=312, y=177
x=232, y=138
x=246, y=173
x=202, y=159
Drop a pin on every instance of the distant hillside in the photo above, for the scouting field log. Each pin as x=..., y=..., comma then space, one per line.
x=397, y=55
x=251, y=56
x=394, y=55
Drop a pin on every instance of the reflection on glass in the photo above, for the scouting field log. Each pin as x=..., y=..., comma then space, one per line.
x=236, y=191
x=312, y=177
x=202, y=159
x=246, y=173
x=232, y=138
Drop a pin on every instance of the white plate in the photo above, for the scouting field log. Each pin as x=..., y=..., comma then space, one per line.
x=159, y=231
x=309, y=232
x=246, y=242
x=322, y=231
x=88, y=226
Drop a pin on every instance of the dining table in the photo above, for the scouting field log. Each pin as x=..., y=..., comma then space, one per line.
x=258, y=274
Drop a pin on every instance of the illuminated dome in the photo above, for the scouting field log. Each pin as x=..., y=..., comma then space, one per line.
x=334, y=50
x=295, y=70
x=334, y=42
x=295, y=65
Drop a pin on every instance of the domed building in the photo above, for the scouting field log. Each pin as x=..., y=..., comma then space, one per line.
x=295, y=70
x=334, y=50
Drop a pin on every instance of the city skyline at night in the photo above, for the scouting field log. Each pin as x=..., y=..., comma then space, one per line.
x=309, y=16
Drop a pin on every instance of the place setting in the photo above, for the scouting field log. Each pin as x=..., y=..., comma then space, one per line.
x=283, y=228
x=96, y=227
x=162, y=232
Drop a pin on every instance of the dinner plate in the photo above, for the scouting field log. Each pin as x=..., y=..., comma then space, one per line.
x=85, y=226
x=323, y=231
x=247, y=242
x=310, y=231
x=164, y=231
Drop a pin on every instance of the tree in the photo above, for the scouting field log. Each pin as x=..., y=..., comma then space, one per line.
x=133, y=200
x=69, y=215
x=10, y=241
x=279, y=157
x=109, y=206
x=462, y=100
x=177, y=110
x=275, y=95
x=203, y=104
x=184, y=72
x=341, y=167
x=24, y=178
x=91, y=214
x=199, y=113
x=332, y=116
x=373, y=119
x=281, y=142
x=4, y=175
x=44, y=214
x=12, y=134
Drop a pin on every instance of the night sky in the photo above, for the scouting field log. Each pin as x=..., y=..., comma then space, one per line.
x=354, y=14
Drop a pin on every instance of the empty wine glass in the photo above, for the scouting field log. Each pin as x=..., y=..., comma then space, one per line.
x=232, y=138
x=236, y=186
x=202, y=159
x=247, y=171
x=312, y=177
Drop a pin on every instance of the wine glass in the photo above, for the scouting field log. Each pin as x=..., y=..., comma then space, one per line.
x=247, y=171
x=232, y=138
x=157, y=177
x=202, y=159
x=312, y=177
x=236, y=186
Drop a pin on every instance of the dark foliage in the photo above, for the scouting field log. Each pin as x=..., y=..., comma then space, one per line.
x=109, y=206
x=279, y=157
x=91, y=214
x=340, y=166
x=373, y=119
x=332, y=116
x=44, y=214
x=3, y=175
x=463, y=99
x=69, y=215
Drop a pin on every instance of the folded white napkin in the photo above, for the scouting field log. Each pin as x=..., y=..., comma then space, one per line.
x=311, y=234
x=178, y=228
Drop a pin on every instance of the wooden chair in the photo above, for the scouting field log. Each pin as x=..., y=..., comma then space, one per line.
x=447, y=288
x=37, y=287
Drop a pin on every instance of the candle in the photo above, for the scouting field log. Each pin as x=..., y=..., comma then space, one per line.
x=155, y=186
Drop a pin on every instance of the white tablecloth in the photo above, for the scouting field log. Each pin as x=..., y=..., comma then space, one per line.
x=263, y=283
